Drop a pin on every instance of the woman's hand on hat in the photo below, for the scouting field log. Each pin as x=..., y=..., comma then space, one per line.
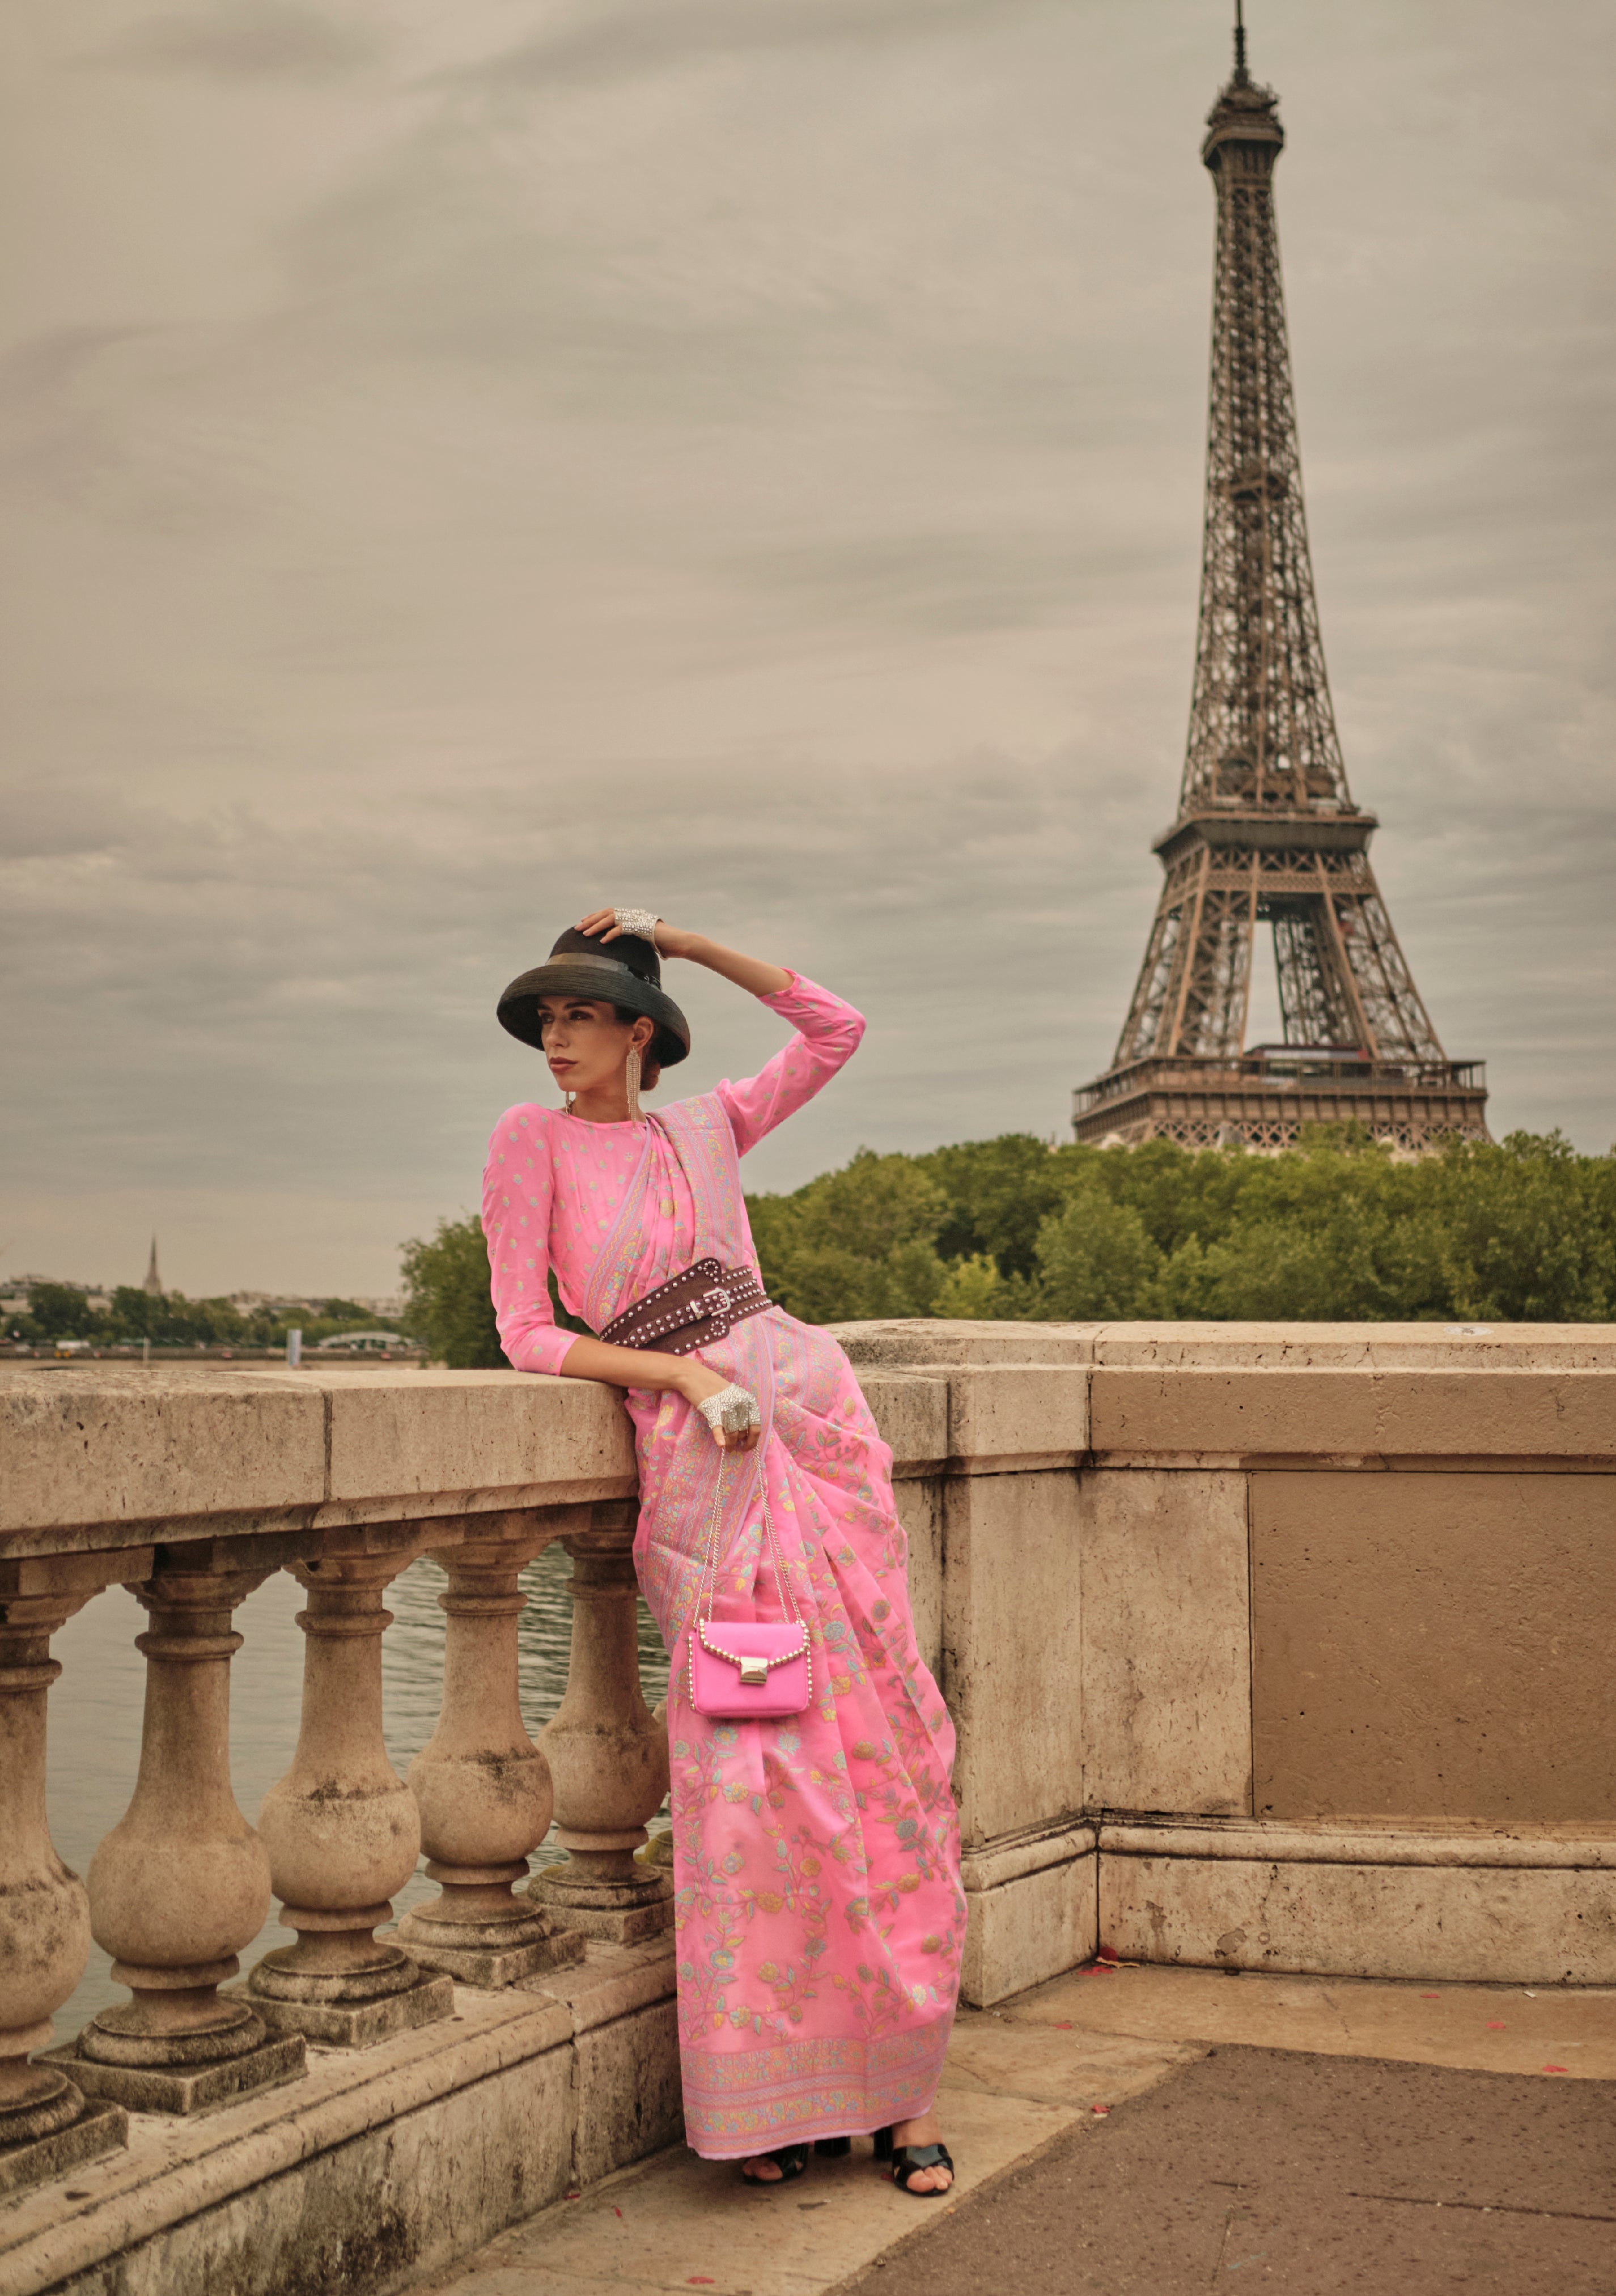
x=669, y=940
x=605, y=923
x=752, y=974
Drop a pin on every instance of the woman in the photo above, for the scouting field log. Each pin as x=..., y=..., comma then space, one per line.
x=820, y=1919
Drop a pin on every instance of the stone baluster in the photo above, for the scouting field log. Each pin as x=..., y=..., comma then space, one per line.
x=182, y=1882
x=46, y=2127
x=482, y=1785
x=341, y=1827
x=607, y=1753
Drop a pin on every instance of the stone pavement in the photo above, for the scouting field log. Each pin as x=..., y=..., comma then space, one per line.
x=1269, y=2167
x=1159, y=2129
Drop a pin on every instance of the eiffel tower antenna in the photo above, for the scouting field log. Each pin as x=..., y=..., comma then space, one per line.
x=1267, y=832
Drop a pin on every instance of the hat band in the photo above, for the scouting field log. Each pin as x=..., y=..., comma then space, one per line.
x=605, y=965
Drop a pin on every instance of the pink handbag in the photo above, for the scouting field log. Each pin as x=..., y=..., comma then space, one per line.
x=741, y=1671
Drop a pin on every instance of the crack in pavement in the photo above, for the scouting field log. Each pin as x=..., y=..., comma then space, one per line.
x=1419, y=2201
x=1487, y=2208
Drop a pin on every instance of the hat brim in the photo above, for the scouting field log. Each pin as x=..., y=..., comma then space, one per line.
x=602, y=981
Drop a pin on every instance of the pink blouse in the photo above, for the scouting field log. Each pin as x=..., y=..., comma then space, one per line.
x=554, y=1183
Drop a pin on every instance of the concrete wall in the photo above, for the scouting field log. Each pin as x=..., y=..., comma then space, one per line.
x=1433, y=1645
x=1274, y=1646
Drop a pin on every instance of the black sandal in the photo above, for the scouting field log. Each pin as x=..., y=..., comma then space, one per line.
x=791, y=2160
x=833, y=2148
x=906, y=2159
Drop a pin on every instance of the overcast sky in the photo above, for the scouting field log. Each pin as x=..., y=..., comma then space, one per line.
x=463, y=463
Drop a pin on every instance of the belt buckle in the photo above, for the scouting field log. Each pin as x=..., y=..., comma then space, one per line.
x=716, y=1302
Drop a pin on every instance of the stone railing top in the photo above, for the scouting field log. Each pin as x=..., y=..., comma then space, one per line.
x=1408, y=1347
x=212, y=1449
x=100, y=1457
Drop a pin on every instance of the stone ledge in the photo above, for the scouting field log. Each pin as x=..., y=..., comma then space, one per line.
x=990, y=1864
x=1365, y=1841
x=1471, y=1923
x=375, y=2167
x=1031, y=1910
x=899, y=1345
x=1017, y=1418
x=612, y=1982
x=912, y=1414
x=428, y=1998
x=1351, y=1462
x=182, y=2089
x=100, y=2128
x=992, y=1418
x=1301, y=1413
x=96, y=1457
x=1407, y=1346
x=119, y=1446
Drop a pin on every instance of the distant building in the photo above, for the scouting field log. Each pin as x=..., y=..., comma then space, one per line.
x=154, y=1284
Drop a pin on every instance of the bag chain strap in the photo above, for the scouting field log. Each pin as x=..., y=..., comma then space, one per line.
x=709, y=1568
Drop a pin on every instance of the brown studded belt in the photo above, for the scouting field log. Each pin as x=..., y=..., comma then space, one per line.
x=689, y=1310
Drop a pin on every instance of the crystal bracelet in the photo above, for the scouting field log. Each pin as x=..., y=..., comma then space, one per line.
x=643, y=921
x=732, y=1411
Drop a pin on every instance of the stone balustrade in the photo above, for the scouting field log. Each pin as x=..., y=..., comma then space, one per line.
x=1268, y=1647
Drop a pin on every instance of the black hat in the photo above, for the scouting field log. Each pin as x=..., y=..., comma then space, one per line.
x=628, y=971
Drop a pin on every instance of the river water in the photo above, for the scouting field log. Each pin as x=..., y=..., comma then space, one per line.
x=95, y=1711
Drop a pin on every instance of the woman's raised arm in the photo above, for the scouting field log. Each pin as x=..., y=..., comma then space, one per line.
x=828, y=1028
x=748, y=973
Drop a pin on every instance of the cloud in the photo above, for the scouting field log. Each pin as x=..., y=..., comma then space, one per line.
x=247, y=40
x=612, y=44
x=541, y=472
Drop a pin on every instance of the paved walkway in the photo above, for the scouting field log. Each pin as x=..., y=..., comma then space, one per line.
x=1323, y=2176
x=1153, y=2130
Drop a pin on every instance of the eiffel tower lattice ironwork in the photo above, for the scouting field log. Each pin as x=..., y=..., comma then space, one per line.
x=1267, y=832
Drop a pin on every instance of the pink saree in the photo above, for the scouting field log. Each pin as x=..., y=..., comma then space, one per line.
x=819, y=1915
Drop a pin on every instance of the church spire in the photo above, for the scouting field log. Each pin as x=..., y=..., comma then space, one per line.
x=153, y=1283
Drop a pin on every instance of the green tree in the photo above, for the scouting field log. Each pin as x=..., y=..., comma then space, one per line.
x=1099, y=1263
x=1333, y=1231
x=1528, y=1231
x=132, y=1312
x=57, y=1311
x=449, y=1306
x=974, y=1289
x=998, y=1192
x=854, y=1242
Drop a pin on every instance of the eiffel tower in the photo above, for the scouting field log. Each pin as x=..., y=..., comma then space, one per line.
x=1267, y=830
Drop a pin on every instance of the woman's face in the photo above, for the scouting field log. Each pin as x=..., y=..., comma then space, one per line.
x=585, y=1043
